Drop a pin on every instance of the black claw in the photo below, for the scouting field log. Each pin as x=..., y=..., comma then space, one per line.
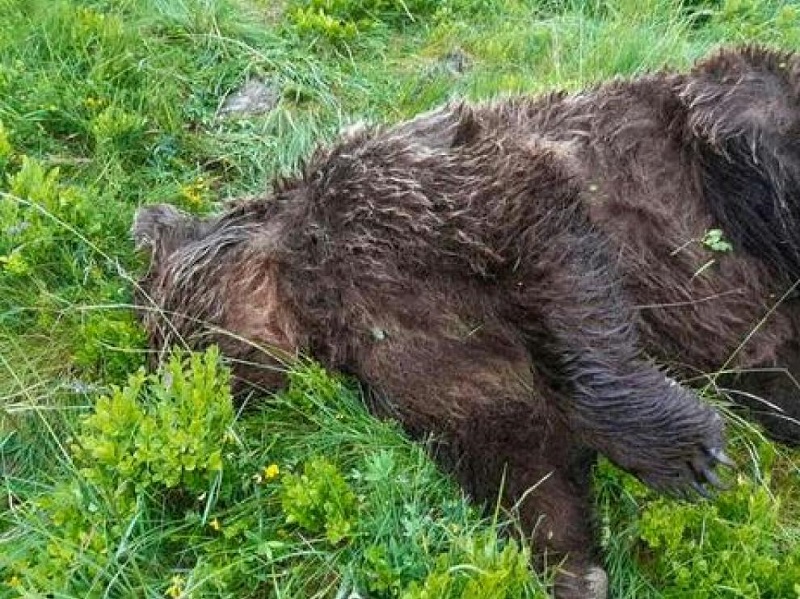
x=713, y=479
x=701, y=490
x=721, y=457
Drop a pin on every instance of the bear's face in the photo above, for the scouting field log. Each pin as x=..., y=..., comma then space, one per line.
x=212, y=281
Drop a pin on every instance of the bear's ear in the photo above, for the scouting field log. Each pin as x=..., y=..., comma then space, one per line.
x=161, y=229
x=451, y=125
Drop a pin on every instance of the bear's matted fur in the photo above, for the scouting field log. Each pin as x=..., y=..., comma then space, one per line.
x=507, y=275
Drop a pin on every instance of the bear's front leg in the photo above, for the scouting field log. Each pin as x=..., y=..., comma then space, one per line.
x=646, y=423
x=569, y=303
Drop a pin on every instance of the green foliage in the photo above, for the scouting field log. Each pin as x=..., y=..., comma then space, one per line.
x=36, y=218
x=737, y=542
x=96, y=100
x=116, y=131
x=160, y=438
x=365, y=13
x=320, y=500
x=744, y=543
x=311, y=22
x=46, y=246
x=714, y=240
x=160, y=432
x=341, y=21
x=482, y=567
x=106, y=342
x=6, y=151
x=69, y=540
x=768, y=22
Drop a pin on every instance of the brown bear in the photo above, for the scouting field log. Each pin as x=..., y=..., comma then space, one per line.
x=515, y=277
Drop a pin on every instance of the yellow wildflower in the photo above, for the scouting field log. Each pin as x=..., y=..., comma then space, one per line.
x=194, y=193
x=272, y=471
x=175, y=589
x=14, y=263
x=14, y=582
x=94, y=103
x=215, y=524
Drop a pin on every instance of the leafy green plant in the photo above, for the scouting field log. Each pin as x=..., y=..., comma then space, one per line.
x=116, y=131
x=320, y=501
x=354, y=11
x=340, y=21
x=714, y=240
x=6, y=150
x=106, y=342
x=479, y=567
x=160, y=432
x=162, y=490
x=33, y=240
x=710, y=549
x=311, y=22
x=158, y=439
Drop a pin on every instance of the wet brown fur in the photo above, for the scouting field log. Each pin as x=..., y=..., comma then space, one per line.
x=506, y=275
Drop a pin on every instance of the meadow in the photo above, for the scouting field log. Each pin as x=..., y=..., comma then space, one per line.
x=119, y=481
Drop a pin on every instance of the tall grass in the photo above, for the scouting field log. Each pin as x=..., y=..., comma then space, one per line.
x=110, y=104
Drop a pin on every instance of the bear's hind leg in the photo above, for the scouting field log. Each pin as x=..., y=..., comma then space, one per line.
x=501, y=436
x=529, y=460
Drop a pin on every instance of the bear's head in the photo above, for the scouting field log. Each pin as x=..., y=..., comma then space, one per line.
x=215, y=281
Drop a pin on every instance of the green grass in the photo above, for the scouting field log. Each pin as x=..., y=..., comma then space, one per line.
x=109, y=104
